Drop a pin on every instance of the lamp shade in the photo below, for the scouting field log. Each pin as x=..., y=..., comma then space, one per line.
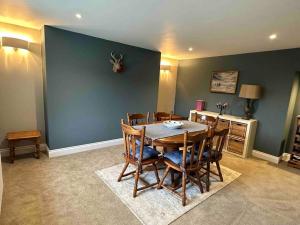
x=165, y=67
x=250, y=91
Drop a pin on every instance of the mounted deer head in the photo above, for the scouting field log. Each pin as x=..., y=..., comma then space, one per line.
x=117, y=62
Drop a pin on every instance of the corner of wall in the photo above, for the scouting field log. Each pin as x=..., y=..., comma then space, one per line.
x=43, y=43
x=288, y=128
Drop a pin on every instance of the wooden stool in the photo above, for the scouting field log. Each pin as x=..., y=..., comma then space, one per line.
x=14, y=137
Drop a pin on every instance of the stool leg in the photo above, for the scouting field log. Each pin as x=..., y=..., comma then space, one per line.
x=37, y=148
x=11, y=152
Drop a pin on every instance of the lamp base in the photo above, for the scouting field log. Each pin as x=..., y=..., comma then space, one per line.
x=248, y=110
x=247, y=117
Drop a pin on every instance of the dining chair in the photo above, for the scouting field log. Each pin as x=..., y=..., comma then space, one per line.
x=222, y=124
x=178, y=117
x=186, y=163
x=211, y=122
x=204, y=119
x=214, y=153
x=137, y=119
x=138, y=155
x=161, y=116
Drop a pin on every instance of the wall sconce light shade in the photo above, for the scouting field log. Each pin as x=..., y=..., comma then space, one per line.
x=165, y=67
x=14, y=43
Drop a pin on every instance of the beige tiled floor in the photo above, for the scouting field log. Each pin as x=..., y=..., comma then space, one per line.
x=66, y=190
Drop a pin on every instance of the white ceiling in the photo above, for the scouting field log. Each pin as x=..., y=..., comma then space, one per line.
x=211, y=27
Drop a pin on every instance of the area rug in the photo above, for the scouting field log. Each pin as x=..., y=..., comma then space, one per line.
x=159, y=207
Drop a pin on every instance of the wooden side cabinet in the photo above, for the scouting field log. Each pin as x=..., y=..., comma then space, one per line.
x=295, y=154
x=241, y=134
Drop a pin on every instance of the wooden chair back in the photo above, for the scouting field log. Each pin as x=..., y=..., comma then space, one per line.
x=198, y=140
x=130, y=136
x=177, y=117
x=137, y=119
x=219, y=138
x=222, y=124
x=204, y=119
x=210, y=121
x=161, y=116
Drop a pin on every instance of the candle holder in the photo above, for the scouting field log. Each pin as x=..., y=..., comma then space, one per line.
x=221, y=107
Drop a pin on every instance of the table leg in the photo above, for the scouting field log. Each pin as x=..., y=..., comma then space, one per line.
x=11, y=151
x=37, y=148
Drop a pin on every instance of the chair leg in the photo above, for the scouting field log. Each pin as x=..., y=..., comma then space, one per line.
x=156, y=173
x=172, y=178
x=199, y=181
x=123, y=171
x=207, y=175
x=136, y=180
x=219, y=171
x=164, y=177
x=183, y=188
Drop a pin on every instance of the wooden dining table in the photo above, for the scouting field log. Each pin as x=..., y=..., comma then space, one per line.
x=157, y=130
x=171, y=139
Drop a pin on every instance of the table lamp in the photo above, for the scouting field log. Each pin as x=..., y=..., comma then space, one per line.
x=250, y=93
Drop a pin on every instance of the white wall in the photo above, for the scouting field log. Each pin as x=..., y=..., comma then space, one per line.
x=21, y=84
x=167, y=86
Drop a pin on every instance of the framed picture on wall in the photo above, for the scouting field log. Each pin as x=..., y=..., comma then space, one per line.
x=224, y=81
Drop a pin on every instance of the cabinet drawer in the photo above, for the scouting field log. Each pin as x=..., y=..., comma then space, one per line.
x=236, y=146
x=223, y=124
x=238, y=129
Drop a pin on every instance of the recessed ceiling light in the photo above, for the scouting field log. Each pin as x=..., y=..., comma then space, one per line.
x=273, y=36
x=78, y=15
x=190, y=49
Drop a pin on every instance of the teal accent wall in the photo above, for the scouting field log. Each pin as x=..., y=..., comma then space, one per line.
x=274, y=70
x=85, y=100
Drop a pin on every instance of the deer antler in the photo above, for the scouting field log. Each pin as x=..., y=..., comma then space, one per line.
x=113, y=56
x=120, y=58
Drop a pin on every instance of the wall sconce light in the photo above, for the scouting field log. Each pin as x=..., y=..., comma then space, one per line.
x=15, y=43
x=165, y=67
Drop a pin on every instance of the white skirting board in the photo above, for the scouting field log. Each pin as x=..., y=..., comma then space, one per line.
x=104, y=144
x=23, y=150
x=265, y=156
x=82, y=148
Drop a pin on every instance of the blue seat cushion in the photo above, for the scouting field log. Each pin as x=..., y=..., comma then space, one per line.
x=214, y=155
x=138, y=142
x=176, y=157
x=148, y=153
